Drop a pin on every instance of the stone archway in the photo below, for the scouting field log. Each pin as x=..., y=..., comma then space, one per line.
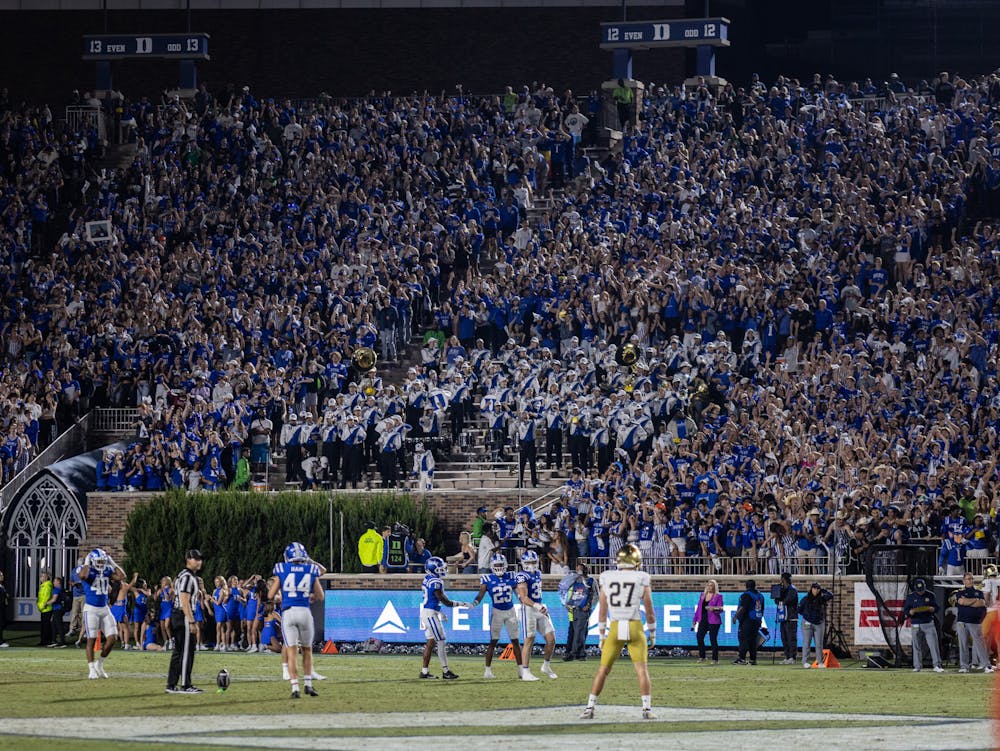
x=43, y=530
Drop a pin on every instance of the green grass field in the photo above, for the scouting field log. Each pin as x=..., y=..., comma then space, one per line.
x=44, y=683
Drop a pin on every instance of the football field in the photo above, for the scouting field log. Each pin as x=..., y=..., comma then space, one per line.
x=367, y=701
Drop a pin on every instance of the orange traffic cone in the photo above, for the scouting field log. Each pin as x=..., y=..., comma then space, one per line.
x=330, y=648
x=508, y=653
x=829, y=660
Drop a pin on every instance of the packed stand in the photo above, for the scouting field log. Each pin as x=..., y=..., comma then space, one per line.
x=800, y=278
x=43, y=170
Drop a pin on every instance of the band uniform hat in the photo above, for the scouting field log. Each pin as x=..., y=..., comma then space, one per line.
x=919, y=585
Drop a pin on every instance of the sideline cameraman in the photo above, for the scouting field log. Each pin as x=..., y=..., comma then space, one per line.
x=394, y=556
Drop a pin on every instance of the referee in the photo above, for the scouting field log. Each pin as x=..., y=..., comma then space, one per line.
x=182, y=627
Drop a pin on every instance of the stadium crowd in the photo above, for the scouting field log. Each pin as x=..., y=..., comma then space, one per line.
x=802, y=279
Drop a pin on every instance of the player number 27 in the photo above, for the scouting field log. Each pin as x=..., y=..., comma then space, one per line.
x=615, y=594
x=290, y=588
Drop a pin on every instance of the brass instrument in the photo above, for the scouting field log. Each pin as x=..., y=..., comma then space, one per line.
x=628, y=356
x=364, y=358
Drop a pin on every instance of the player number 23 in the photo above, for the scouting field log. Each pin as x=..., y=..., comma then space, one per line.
x=615, y=592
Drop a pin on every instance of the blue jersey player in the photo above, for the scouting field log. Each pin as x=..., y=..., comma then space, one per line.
x=96, y=575
x=431, y=618
x=500, y=585
x=297, y=579
x=534, y=616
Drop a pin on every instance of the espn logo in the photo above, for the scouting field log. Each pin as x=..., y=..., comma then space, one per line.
x=868, y=614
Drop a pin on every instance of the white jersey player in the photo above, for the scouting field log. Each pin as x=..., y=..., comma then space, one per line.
x=625, y=594
x=534, y=616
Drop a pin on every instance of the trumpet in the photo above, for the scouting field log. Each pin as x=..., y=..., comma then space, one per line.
x=364, y=358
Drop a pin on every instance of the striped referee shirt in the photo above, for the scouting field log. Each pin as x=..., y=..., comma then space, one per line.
x=185, y=582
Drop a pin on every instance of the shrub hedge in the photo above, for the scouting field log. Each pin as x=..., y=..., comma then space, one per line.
x=245, y=533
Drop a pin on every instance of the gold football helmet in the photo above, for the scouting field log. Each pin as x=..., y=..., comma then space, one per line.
x=991, y=571
x=629, y=557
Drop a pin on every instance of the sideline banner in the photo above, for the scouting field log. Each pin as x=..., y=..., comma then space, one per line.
x=867, y=628
x=393, y=615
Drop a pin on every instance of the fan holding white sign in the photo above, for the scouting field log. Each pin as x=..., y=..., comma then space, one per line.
x=100, y=231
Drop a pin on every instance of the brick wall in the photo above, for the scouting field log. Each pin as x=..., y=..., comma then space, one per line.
x=842, y=615
x=344, y=52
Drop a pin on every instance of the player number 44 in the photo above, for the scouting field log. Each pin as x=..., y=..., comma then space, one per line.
x=289, y=586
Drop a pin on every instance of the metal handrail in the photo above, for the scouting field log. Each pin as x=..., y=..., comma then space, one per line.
x=723, y=565
x=114, y=419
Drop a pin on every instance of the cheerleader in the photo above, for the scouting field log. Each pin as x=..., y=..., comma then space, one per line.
x=165, y=599
x=140, y=611
x=120, y=611
x=234, y=607
x=270, y=636
x=199, y=615
x=250, y=614
x=149, y=643
x=219, y=598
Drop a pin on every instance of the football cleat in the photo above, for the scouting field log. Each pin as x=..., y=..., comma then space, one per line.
x=488, y=674
x=647, y=714
x=529, y=561
x=295, y=695
x=498, y=564
x=527, y=675
x=191, y=690
x=284, y=672
x=629, y=557
x=448, y=675
x=296, y=553
x=310, y=691
x=549, y=671
x=588, y=714
x=436, y=567
x=317, y=677
x=426, y=676
x=100, y=669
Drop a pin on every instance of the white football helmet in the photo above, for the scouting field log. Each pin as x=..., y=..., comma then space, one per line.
x=498, y=564
x=436, y=567
x=99, y=558
x=529, y=561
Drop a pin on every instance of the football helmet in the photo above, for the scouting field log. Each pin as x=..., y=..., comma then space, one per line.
x=498, y=564
x=629, y=557
x=296, y=553
x=436, y=567
x=991, y=571
x=529, y=561
x=99, y=558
